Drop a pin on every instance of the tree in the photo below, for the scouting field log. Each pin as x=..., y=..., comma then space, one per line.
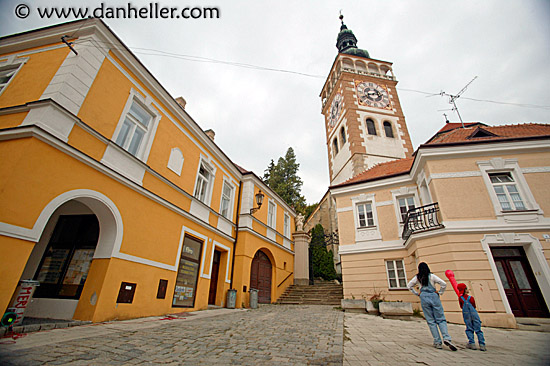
x=322, y=261
x=309, y=210
x=284, y=180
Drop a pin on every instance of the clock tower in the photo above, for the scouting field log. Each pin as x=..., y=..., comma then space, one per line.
x=364, y=122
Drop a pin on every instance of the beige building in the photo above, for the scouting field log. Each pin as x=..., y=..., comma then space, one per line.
x=474, y=200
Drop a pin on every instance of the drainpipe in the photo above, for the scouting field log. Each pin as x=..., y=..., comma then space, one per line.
x=236, y=233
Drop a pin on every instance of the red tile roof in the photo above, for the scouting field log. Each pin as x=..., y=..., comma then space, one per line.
x=382, y=170
x=453, y=133
x=481, y=132
x=241, y=169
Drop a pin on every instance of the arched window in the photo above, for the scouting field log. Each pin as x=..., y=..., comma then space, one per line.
x=343, y=136
x=335, y=146
x=388, y=130
x=371, y=128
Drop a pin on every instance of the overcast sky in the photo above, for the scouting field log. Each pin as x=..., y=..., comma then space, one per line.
x=257, y=114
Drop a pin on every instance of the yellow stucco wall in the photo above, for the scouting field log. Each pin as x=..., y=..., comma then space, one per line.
x=31, y=81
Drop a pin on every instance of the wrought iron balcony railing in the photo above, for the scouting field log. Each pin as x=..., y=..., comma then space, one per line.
x=421, y=219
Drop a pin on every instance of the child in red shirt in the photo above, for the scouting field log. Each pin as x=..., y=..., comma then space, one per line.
x=471, y=318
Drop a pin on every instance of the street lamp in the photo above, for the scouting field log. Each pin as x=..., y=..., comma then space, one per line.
x=259, y=200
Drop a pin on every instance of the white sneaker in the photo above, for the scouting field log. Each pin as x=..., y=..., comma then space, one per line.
x=482, y=347
x=471, y=346
x=438, y=346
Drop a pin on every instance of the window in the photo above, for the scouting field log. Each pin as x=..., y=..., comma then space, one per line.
x=343, y=136
x=6, y=74
x=134, y=128
x=506, y=191
x=203, y=183
x=371, y=128
x=405, y=204
x=396, y=274
x=388, y=129
x=287, y=226
x=335, y=146
x=271, y=212
x=364, y=215
x=227, y=194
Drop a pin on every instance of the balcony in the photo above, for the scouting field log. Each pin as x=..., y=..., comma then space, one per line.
x=421, y=219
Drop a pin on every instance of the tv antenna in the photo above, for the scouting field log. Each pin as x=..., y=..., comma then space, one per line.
x=452, y=99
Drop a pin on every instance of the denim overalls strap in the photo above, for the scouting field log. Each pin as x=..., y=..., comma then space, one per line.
x=467, y=306
x=429, y=288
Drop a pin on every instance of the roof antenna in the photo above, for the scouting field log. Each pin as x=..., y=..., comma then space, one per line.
x=452, y=99
x=69, y=44
x=446, y=119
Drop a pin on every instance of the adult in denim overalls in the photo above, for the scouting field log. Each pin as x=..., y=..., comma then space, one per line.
x=431, y=304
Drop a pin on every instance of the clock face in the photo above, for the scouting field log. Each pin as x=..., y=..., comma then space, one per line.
x=335, y=109
x=373, y=95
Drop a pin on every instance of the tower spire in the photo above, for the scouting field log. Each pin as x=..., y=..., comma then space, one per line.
x=347, y=43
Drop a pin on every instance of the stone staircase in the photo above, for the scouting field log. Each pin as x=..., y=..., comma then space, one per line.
x=321, y=293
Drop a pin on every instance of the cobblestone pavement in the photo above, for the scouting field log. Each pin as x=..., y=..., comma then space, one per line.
x=271, y=334
x=371, y=340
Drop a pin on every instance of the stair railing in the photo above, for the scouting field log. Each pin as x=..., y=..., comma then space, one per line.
x=286, y=278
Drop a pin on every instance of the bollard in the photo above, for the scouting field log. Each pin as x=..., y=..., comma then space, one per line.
x=253, y=298
x=231, y=298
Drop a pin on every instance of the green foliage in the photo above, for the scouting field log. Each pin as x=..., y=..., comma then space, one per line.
x=322, y=260
x=309, y=210
x=284, y=180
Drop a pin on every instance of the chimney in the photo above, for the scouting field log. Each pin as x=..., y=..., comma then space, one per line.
x=181, y=102
x=210, y=133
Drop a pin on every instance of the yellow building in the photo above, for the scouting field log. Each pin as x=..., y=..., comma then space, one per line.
x=474, y=200
x=113, y=198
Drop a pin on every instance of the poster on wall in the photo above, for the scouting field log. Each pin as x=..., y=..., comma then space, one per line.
x=188, y=273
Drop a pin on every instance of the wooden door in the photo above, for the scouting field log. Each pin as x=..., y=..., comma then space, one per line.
x=519, y=283
x=214, y=278
x=260, y=277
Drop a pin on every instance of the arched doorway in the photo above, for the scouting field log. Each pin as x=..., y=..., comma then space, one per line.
x=66, y=261
x=74, y=229
x=260, y=277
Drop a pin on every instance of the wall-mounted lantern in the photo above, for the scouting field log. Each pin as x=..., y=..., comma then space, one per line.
x=259, y=200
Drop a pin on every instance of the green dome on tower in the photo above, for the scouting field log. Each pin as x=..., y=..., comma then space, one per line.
x=347, y=43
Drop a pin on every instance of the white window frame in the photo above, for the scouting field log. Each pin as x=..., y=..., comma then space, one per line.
x=393, y=263
x=229, y=199
x=404, y=192
x=14, y=65
x=511, y=166
x=144, y=148
x=209, y=182
x=367, y=219
x=287, y=225
x=366, y=233
x=505, y=187
x=271, y=214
